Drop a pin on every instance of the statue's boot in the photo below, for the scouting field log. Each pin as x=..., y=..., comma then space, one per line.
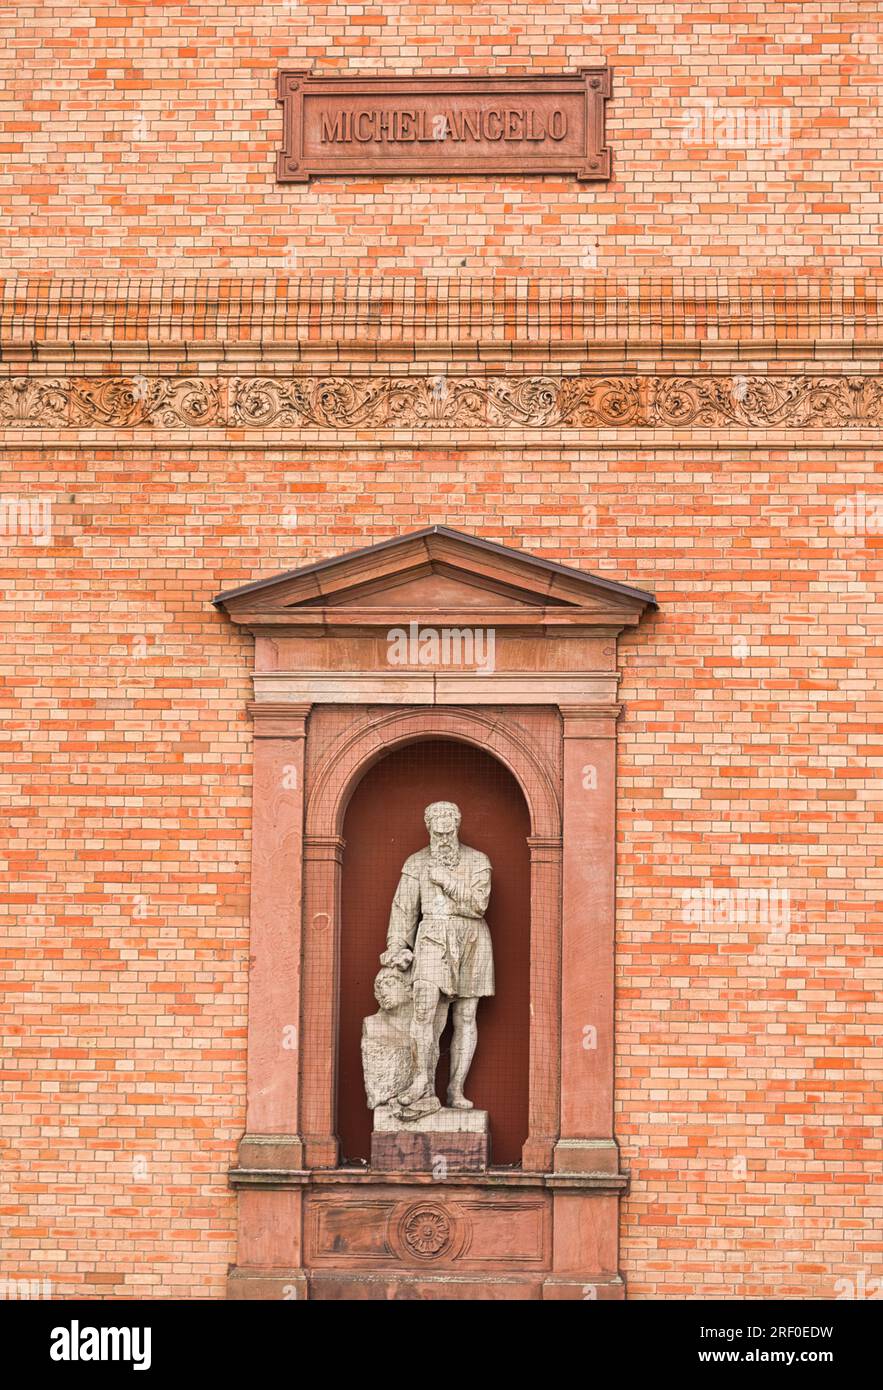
x=426, y=1105
x=416, y=1091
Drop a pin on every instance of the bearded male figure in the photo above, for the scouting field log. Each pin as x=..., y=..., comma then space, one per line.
x=437, y=932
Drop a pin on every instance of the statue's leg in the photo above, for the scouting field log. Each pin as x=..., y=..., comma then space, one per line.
x=465, y=1036
x=438, y=1027
x=425, y=999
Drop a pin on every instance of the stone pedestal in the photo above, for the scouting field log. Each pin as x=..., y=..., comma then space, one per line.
x=447, y=1141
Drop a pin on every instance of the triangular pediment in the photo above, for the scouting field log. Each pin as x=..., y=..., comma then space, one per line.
x=433, y=572
x=439, y=588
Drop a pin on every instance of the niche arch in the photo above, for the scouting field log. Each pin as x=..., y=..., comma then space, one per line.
x=345, y=765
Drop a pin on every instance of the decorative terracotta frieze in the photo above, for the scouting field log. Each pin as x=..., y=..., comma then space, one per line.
x=449, y=401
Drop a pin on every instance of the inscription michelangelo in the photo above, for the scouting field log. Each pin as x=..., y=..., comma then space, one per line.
x=406, y=125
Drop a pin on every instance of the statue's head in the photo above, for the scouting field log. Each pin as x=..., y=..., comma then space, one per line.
x=391, y=988
x=442, y=818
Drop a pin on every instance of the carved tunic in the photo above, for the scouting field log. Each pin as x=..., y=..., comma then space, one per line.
x=446, y=930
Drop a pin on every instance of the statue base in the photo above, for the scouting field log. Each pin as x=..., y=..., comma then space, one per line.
x=446, y=1141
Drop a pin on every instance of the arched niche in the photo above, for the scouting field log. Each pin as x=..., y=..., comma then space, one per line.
x=383, y=825
x=367, y=741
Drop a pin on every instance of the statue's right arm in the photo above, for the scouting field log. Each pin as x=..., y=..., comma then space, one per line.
x=403, y=918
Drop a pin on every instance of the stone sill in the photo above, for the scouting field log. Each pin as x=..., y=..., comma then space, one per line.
x=494, y=1178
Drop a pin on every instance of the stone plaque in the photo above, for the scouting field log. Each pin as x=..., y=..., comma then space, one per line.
x=443, y=126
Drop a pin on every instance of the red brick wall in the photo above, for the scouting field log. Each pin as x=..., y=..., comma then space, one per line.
x=747, y=1077
x=144, y=136
x=130, y=774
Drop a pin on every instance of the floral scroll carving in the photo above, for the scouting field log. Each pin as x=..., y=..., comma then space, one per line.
x=124, y=402
x=491, y=402
x=35, y=403
x=804, y=402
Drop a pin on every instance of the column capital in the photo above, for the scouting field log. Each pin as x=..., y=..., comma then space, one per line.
x=327, y=847
x=545, y=849
x=590, y=721
x=277, y=719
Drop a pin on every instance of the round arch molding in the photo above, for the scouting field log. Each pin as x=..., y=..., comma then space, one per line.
x=344, y=766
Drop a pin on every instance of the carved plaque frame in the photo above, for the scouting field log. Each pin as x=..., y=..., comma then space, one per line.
x=384, y=126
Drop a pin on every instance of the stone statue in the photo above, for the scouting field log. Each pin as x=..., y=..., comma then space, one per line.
x=438, y=956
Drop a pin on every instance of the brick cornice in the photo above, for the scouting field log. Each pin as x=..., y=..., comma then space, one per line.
x=249, y=357
x=343, y=313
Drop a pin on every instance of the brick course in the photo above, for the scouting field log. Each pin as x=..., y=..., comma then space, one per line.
x=143, y=138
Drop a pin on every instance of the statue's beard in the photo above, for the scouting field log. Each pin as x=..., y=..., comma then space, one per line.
x=445, y=848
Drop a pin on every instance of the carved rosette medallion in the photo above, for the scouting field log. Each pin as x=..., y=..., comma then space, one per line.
x=426, y=1232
